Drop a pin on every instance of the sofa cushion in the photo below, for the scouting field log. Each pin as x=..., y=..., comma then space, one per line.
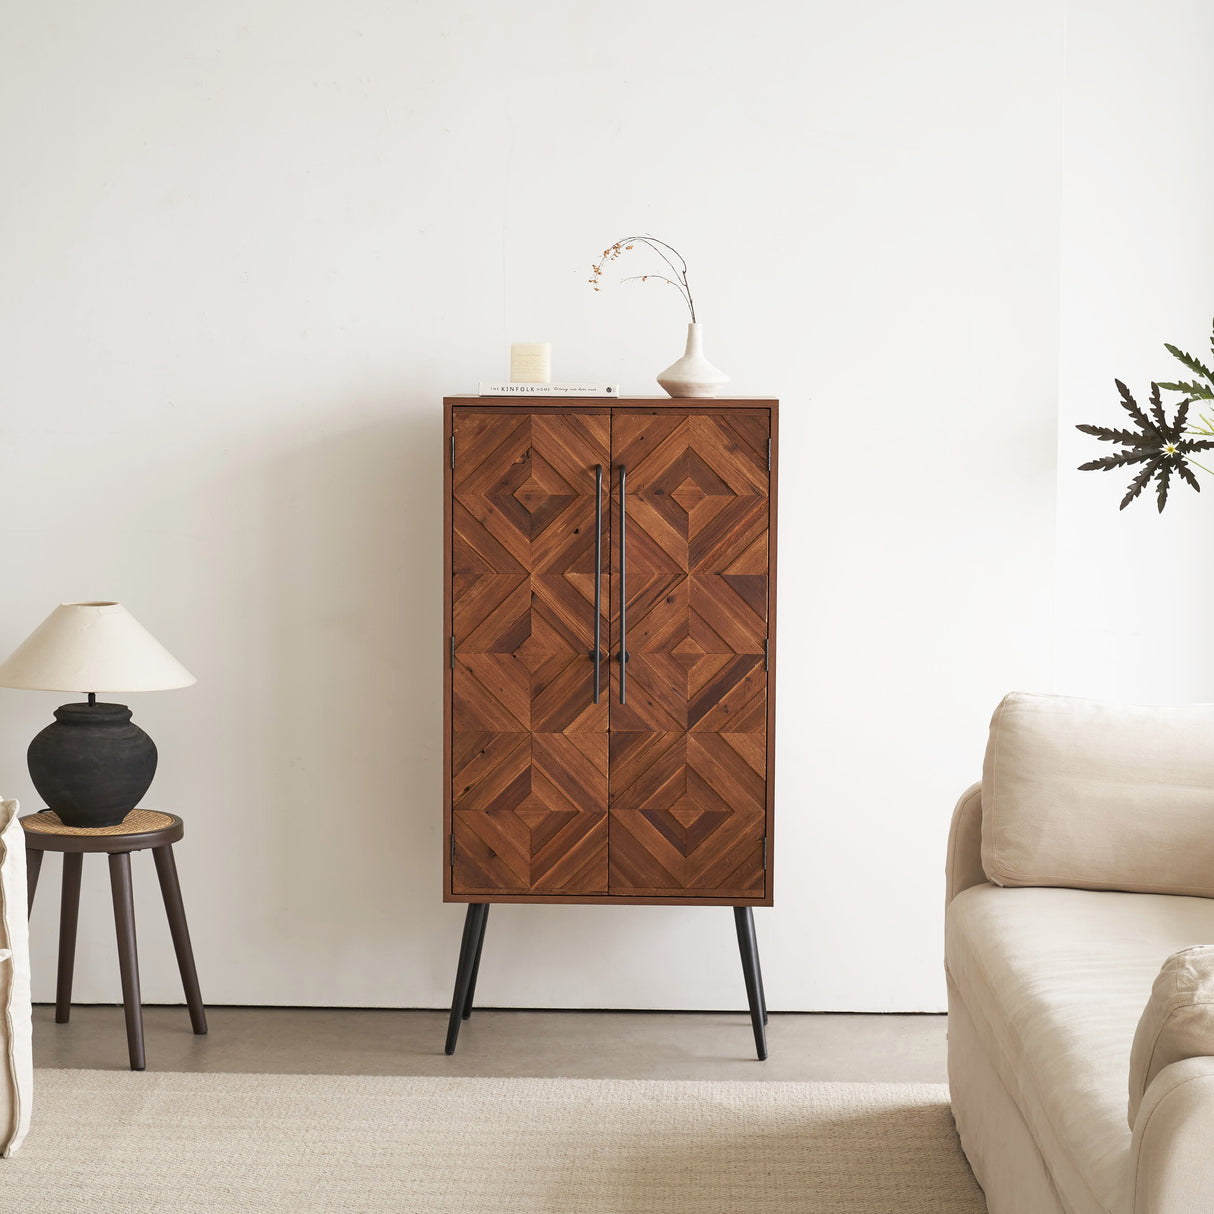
x=1178, y=1021
x=16, y=1028
x=1099, y=796
x=1054, y=981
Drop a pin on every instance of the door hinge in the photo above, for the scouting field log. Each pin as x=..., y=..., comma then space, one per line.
x=764, y=853
x=766, y=655
x=768, y=455
x=453, y=847
x=453, y=653
x=453, y=454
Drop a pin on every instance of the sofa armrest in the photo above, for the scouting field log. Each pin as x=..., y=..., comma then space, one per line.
x=1171, y=1165
x=963, y=867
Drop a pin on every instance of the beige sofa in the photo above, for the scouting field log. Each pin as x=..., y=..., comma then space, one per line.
x=1079, y=864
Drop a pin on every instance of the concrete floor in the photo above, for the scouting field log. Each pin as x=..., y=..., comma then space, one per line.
x=609, y=1045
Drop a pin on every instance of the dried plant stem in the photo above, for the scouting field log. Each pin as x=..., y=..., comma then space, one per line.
x=670, y=255
x=662, y=278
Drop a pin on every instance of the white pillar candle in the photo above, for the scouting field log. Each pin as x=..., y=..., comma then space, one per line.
x=530, y=362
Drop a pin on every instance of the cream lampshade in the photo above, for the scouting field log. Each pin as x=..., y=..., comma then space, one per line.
x=93, y=764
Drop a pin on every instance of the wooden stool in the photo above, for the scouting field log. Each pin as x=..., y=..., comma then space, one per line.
x=140, y=829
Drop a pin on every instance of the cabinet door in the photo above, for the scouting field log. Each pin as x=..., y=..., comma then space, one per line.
x=529, y=742
x=689, y=741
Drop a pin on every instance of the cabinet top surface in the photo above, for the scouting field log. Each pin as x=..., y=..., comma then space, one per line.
x=607, y=402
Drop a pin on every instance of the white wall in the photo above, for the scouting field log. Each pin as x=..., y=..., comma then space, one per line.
x=247, y=250
x=1135, y=591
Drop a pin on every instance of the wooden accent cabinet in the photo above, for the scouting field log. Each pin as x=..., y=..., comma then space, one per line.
x=609, y=599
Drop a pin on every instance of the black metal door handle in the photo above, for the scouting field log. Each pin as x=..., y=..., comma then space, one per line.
x=623, y=590
x=598, y=573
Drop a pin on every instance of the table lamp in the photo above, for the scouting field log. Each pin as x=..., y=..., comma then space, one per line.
x=93, y=765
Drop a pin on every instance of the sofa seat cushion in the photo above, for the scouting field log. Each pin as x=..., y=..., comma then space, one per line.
x=1056, y=981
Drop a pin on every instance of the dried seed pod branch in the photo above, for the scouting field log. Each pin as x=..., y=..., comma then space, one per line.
x=670, y=255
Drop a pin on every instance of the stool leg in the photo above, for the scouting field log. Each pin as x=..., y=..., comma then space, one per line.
x=69, y=914
x=170, y=887
x=33, y=866
x=128, y=957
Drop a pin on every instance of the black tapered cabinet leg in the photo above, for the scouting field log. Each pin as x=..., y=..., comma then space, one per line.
x=465, y=971
x=128, y=955
x=33, y=866
x=476, y=963
x=749, y=949
x=69, y=915
x=170, y=889
x=759, y=971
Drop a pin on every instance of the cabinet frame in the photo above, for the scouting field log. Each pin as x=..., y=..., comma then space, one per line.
x=546, y=404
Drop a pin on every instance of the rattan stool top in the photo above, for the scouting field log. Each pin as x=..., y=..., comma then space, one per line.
x=135, y=823
x=139, y=829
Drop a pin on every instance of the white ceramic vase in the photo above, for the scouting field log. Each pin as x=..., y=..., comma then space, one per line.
x=693, y=375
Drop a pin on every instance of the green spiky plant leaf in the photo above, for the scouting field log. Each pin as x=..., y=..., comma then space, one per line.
x=1191, y=388
x=1160, y=446
x=1195, y=389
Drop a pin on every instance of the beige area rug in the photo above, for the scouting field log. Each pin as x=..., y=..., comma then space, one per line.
x=115, y=1141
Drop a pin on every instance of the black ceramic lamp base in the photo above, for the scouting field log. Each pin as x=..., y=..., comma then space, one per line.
x=93, y=765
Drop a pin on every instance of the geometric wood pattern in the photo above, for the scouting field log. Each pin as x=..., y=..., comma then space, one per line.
x=687, y=814
x=553, y=795
x=526, y=815
x=689, y=747
x=529, y=745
